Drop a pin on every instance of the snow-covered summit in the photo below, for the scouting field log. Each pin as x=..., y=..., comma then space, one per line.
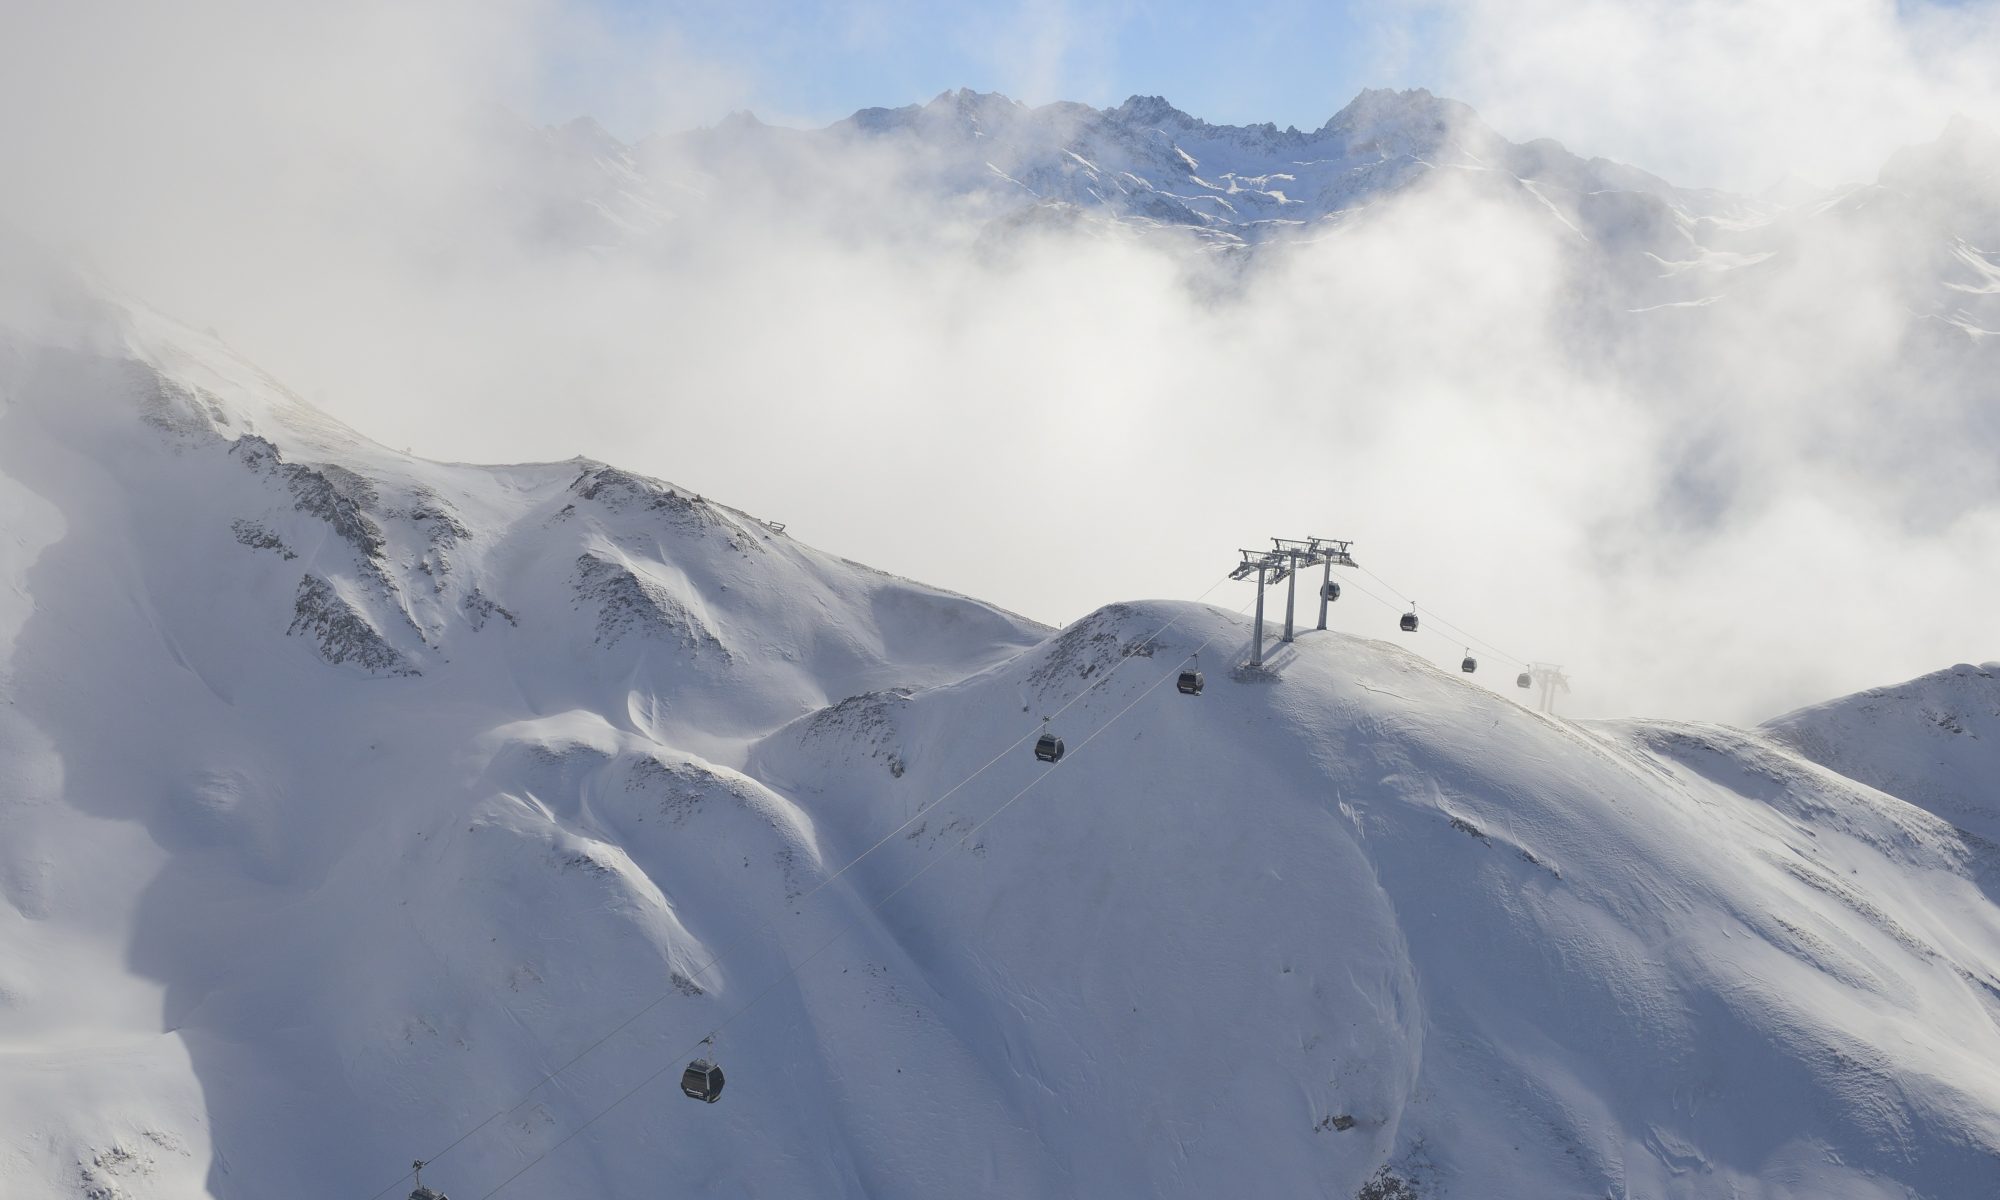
x=1933, y=741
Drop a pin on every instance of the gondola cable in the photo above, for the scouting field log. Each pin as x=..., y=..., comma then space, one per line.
x=1040, y=731
x=1433, y=617
x=796, y=904
x=1497, y=651
x=848, y=926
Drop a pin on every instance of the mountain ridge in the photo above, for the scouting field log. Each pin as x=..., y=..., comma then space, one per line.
x=280, y=919
x=1150, y=161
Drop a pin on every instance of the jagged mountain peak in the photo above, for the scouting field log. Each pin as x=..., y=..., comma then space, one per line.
x=967, y=99
x=1374, y=110
x=1150, y=110
x=1415, y=121
x=739, y=120
x=963, y=108
x=586, y=135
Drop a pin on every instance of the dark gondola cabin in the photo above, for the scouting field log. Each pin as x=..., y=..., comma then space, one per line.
x=1524, y=680
x=1469, y=665
x=1049, y=748
x=702, y=1081
x=1409, y=622
x=1190, y=683
x=1329, y=591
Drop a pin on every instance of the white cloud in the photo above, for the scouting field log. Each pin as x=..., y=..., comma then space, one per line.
x=1727, y=93
x=1704, y=522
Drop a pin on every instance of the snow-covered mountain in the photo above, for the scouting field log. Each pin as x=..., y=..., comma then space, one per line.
x=1934, y=742
x=356, y=808
x=1148, y=162
x=1642, y=252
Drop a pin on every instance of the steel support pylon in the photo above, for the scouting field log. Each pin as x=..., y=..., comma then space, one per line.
x=1291, y=592
x=1286, y=556
x=1257, y=639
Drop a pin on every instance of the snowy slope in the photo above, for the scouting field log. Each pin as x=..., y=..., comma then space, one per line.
x=351, y=800
x=1529, y=959
x=1934, y=742
x=256, y=660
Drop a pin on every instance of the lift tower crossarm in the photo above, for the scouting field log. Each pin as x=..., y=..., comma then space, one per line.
x=1332, y=552
x=1260, y=560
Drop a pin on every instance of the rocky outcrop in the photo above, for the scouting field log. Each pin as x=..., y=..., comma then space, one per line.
x=631, y=606
x=342, y=633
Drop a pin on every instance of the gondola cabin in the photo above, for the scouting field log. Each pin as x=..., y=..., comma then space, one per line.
x=702, y=1081
x=1190, y=683
x=1409, y=622
x=1329, y=591
x=1524, y=680
x=1469, y=664
x=1049, y=748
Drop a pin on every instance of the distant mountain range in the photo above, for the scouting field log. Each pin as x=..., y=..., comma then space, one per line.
x=1639, y=242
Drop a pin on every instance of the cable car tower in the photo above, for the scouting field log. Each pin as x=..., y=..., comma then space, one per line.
x=1332, y=553
x=1552, y=680
x=1281, y=563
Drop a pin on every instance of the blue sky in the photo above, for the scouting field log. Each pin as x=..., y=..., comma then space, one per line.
x=1726, y=93
x=812, y=61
